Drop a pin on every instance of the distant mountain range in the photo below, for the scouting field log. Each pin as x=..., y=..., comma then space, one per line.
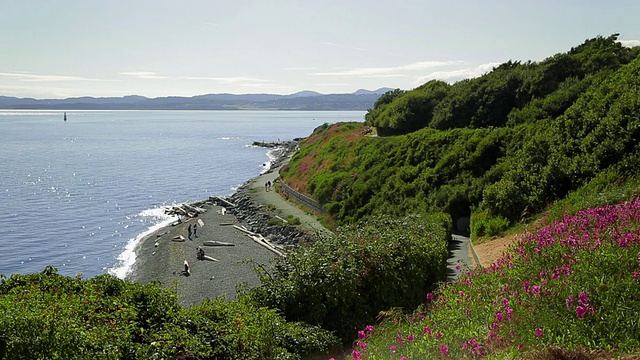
x=304, y=100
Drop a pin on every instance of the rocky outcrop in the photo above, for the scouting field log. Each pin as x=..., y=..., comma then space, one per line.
x=257, y=217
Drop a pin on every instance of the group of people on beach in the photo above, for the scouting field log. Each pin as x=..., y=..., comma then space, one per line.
x=268, y=185
x=192, y=231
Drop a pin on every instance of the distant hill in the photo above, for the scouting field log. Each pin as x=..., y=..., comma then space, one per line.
x=304, y=100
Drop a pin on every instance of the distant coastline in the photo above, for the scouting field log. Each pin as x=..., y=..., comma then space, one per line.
x=301, y=101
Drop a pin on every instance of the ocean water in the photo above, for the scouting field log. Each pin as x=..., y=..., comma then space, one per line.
x=79, y=195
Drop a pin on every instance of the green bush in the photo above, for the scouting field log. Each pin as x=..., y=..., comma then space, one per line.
x=50, y=316
x=484, y=224
x=292, y=220
x=345, y=281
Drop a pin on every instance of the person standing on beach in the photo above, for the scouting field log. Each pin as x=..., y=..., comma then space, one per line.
x=195, y=226
x=189, y=231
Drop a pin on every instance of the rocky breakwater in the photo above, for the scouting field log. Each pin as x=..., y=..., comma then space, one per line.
x=257, y=217
x=256, y=207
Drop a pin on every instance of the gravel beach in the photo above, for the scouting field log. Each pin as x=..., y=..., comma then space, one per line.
x=165, y=262
x=160, y=258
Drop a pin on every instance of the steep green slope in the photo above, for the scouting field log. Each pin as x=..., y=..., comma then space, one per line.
x=503, y=168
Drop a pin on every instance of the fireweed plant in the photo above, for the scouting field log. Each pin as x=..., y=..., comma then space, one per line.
x=573, y=284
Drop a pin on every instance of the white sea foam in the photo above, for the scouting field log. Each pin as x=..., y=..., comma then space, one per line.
x=272, y=154
x=128, y=257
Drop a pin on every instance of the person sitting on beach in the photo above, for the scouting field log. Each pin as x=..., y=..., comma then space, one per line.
x=199, y=253
x=187, y=270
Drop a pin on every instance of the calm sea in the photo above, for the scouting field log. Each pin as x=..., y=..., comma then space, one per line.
x=80, y=194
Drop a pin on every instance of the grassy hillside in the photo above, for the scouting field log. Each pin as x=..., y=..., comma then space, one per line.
x=503, y=167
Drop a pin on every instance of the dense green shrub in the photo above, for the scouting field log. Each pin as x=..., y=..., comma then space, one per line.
x=344, y=281
x=50, y=316
x=483, y=224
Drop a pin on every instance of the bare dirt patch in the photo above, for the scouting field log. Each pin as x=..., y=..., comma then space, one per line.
x=491, y=250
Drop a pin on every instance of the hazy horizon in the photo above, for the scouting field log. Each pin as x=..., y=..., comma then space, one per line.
x=160, y=48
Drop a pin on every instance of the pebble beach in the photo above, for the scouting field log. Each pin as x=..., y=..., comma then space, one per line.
x=159, y=257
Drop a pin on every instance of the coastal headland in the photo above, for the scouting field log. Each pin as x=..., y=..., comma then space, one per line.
x=161, y=255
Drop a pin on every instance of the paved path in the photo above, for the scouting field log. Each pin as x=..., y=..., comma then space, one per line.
x=459, y=257
x=258, y=193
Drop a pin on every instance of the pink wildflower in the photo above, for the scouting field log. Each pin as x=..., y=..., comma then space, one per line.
x=536, y=289
x=430, y=296
x=361, y=335
x=439, y=336
x=411, y=337
x=583, y=299
x=538, y=332
x=580, y=311
x=426, y=330
x=356, y=355
x=444, y=350
x=569, y=302
x=509, y=312
x=392, y=349
x=369, y=328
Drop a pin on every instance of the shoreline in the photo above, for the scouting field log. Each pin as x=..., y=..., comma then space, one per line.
x=160, y=258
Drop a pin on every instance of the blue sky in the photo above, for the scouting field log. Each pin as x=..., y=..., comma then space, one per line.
x=69, y=48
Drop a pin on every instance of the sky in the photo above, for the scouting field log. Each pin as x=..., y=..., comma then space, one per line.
x=155, y=48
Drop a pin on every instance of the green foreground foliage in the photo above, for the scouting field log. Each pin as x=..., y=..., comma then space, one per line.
x=50, y=316
x=342, y=282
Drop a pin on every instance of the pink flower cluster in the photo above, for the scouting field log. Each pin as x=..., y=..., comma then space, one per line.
x=361, y=346
x=583, y=306
x=474, y=347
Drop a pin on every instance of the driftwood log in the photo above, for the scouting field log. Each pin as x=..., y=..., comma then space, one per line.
x=260, y=240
